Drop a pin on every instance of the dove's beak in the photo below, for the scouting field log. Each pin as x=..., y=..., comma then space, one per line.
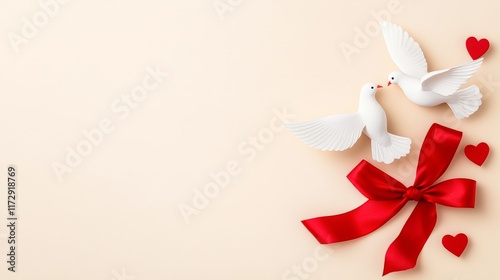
x=389, y=83
x=379, y=86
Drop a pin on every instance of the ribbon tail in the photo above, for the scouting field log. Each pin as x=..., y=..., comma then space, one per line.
x=403, y=252
x=353, y=224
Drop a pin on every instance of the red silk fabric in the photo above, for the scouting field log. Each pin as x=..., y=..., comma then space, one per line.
x=387, y=196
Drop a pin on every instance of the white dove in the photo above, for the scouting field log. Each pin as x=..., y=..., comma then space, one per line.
x=430, y=89
x=340, y=132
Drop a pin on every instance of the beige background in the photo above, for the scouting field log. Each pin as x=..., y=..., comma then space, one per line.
x=116, y=215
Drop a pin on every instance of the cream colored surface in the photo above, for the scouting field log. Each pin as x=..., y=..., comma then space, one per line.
x=117, y=215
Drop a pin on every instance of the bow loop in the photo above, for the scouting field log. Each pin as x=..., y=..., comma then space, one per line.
x=437, y=151
x=374, y=183
x=453, y=193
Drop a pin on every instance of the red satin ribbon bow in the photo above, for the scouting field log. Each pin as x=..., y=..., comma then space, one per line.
x=386, y=196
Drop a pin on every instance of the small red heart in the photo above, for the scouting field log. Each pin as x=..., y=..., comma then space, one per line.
x=455, y=244
x=477, y=154
x=477, y=48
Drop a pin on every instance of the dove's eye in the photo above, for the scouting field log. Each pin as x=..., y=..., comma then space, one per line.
x=372, y=87
x=392, y=78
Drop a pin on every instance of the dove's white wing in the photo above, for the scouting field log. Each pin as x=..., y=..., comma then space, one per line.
x=332, y=133
x=447, y=82
x=404, y=51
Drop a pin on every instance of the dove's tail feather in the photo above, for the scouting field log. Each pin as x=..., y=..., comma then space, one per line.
x=465, y=102
x=399, y=147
